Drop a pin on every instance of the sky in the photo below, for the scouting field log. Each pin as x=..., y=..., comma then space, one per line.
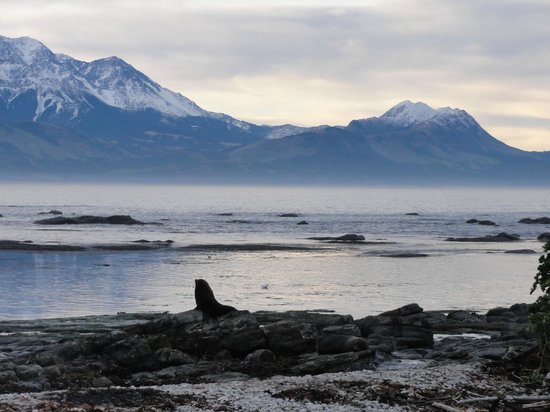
x=314, y=62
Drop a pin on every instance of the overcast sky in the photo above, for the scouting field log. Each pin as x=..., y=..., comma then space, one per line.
x=320, y=62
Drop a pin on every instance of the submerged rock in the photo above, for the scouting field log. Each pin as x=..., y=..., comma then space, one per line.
x=302, y=222
x=481, y=222
x=501, y=237
x=348, y=238
x=538, y=220
x=288, y=215
x=51, y=212
x=90, y=220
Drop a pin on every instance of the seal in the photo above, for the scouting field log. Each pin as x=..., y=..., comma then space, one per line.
x=207, y=303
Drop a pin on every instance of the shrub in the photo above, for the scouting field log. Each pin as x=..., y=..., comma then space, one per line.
x=539, y=318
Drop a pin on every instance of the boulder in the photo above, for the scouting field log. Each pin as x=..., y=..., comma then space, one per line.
x=290, y=338
x=173, y=356
x=302, y=222
x=260, y=356
x=90, y=220
x=340, y=344
x=240, y=333
x=347, y=329
x=538, y=220
x=501, y=237
x=410, y=309
x=544, y=237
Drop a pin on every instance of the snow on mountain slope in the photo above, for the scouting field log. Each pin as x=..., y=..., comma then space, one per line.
x=62, y=84
x=407, y=113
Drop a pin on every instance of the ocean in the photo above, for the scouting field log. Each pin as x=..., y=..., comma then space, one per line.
x=356, y=279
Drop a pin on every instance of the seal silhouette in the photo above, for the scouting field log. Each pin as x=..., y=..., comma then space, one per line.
x=207, y=303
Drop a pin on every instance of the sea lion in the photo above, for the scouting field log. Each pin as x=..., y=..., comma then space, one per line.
x=207, y=303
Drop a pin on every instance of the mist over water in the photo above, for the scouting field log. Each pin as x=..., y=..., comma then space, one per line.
x=355, y=279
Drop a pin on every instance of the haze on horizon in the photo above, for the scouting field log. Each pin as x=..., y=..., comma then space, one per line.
x=322, y=62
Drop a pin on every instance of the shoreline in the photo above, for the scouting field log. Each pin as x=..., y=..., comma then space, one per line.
x=300, y=359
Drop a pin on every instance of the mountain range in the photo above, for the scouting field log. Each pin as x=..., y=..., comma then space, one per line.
x=104, y=119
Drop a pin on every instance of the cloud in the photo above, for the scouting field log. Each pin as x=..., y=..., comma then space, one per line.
x=322, y=61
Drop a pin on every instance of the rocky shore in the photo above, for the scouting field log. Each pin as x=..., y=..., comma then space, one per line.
x=89, y=355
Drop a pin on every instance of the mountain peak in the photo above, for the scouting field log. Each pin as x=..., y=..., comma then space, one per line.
x=24, y=49
x=409, y=113
x=62, y=84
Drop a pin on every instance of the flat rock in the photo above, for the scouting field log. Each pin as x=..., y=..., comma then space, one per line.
x=90, y=220
x=539, y=220
x=501, y=237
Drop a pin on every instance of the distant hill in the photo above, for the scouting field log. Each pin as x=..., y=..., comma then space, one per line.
x=61, y=116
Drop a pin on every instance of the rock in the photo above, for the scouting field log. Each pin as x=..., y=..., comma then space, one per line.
x=486, y=223
x=544, y=237
x=133, y=353
x=347, y=329
x=288, y=215
x=381, y=343
x=325, y=363
x=102, y=382
x=51, y=212
x=223, y=355
x=472, y=221
x=16, y=245
x=225, y=214
x=328, y=344
x=348, y=238
x=290, y=338
x=317, y=320
x=405, y=255
x=8, y=376
x=501, y=237
x=302, y=222
x=173, y=356
x=522, y=251
x=90, y=220
x=539, y=220
x=52, y=372
x=465, y=316
x=410, y=309
x=240, y=333
x=28, y=372
x=260, y=356
x=412, y=214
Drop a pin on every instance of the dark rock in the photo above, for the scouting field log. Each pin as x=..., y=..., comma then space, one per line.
x=472, y=221
x=412, y=214
x=302, y=222
x=244, y=247
x=486, y=223
x=405, y=255
x=28, y=372
x=133, y=353
x=51, y=212
x=410, y=309
x=8, y=376
x=173, y=356
x=239, y=221
x=347, y=329
x=328, y=344
x=90, y=220
x=16, y=245
x=539, y=220
x=318, y=320
x=348, y=238
x=240, y=333
x=521, y=251
x=290, y=338
x=102, y=382
x=325, y=363
x=260, y=356
x=225, y=214
x=544, y=237
x=289, y=215
x=501, y=237
x=465, y=316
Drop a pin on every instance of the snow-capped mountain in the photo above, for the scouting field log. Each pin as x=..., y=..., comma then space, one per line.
x=63, y=86
x=407, y=113
x=65, y=116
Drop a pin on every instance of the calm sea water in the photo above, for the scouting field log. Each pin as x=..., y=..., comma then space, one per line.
x=355, y=279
